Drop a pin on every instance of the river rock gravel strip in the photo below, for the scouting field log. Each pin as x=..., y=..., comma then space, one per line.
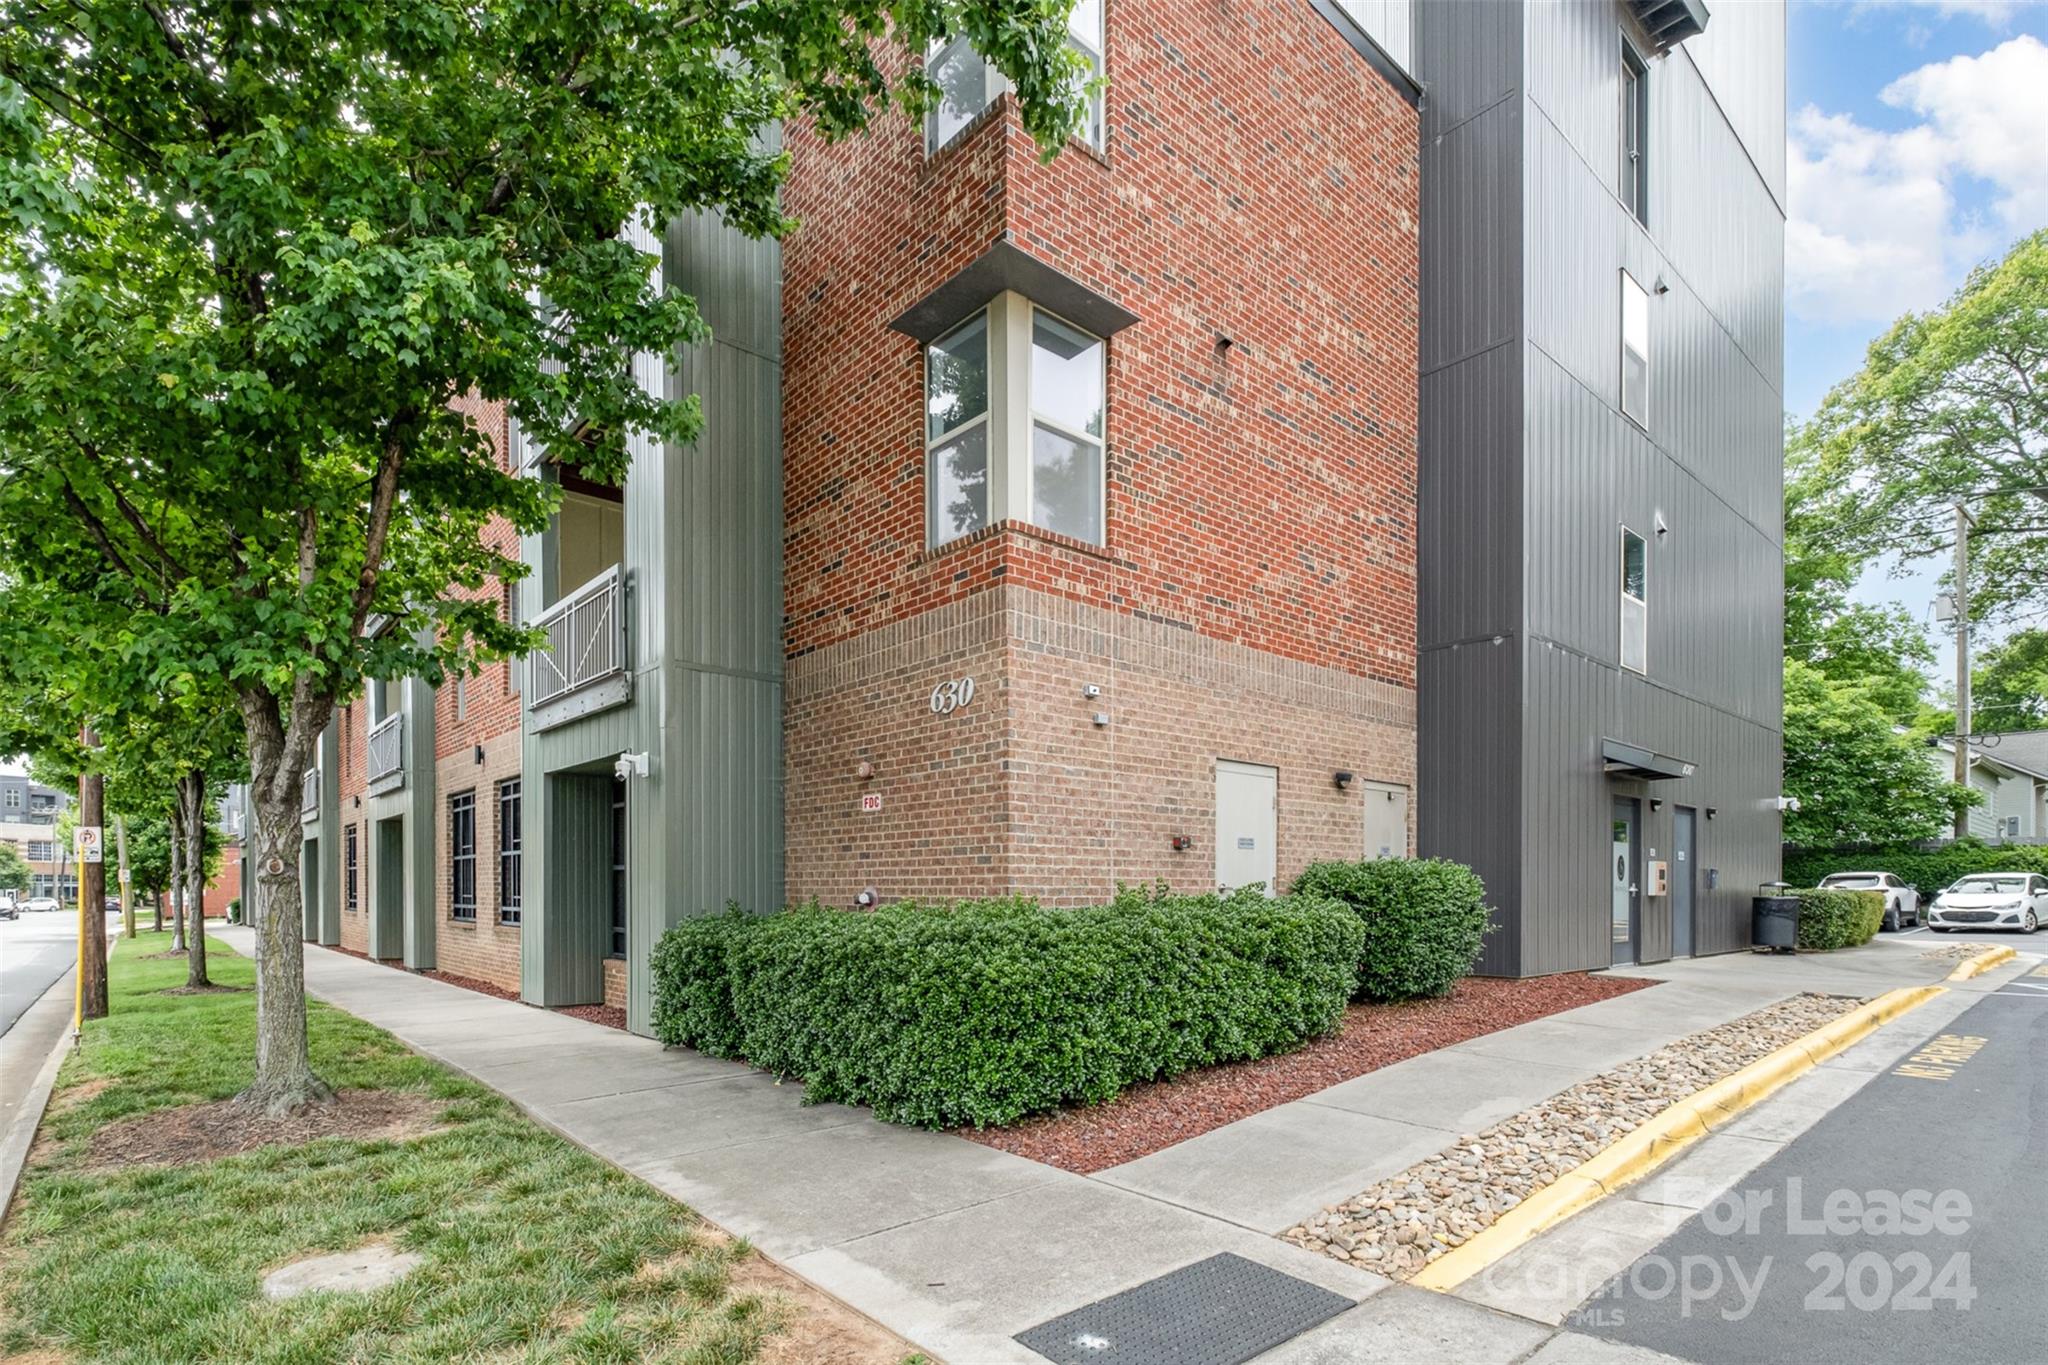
x=1401, y=1224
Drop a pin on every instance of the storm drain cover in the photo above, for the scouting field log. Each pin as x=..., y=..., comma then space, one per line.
x=1215, y=1312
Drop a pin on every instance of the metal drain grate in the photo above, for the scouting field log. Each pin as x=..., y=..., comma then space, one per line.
x=1216, y=1312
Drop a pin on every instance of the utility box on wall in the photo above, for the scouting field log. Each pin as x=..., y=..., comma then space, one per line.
x=1660, y=878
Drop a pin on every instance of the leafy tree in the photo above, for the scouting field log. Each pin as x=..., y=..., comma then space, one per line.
x=1858, y=777
x=15, y=874
x=2009, y=684
x=1952, y=406
x=249, y=255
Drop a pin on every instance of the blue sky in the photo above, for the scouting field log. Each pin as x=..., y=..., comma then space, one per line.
x=1917, y=146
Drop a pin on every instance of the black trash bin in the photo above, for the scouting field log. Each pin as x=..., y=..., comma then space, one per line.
x=1774, y=918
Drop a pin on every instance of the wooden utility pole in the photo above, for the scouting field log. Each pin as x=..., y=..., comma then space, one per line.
x=1962, y=828
x=92, y=886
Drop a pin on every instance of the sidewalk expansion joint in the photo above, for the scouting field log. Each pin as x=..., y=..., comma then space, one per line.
x=1662, y=1137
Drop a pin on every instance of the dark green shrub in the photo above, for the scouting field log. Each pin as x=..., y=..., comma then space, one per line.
x=693, y=983
x=1424, y=920
x=982, y=1012
x=1931, y=871
x=1838, y=919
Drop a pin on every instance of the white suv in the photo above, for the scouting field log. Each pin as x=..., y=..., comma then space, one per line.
x=1901, y=901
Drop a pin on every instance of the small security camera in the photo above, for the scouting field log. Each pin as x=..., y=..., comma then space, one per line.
x=623, y=769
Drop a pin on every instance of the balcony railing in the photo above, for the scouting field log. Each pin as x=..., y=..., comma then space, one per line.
x=309, y=794
x=586, y=640
x=387, y=747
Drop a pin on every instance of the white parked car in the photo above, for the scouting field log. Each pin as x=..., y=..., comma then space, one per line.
x=1901, y=901
x=40, y=903
x=1992, y=900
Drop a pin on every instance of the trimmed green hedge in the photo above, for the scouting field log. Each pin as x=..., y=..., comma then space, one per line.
x=1425, y=920
x=984, y=1011
x=1931, y=871
x=1838, y=919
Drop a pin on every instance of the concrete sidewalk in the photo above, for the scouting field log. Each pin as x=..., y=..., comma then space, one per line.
x=957, y=1246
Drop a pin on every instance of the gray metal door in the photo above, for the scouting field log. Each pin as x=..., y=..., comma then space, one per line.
x=1684, y=878
x=1625, y=875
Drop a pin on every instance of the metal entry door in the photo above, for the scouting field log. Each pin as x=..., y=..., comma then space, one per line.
x=1623, y=876
x=1247, y=824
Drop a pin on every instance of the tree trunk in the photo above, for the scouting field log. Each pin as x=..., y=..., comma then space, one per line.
x=127, y=887
x=178, y=877
x=156, y=898
x=285, y=1079
x=192, y=798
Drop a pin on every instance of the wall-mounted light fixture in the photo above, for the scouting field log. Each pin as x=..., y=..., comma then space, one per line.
x=479, y=753
x=1712, y=811
x=865, y=770
x=1343, y=779
x=1663, y=526
x=1656, y=803
x=1090, y=691
x=1181, y=843
x=1660, y=286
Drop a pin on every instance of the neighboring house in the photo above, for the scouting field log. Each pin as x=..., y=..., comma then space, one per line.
x=2011, y=772
x=1054, y=526
x=1602, y=455
x=28, y=820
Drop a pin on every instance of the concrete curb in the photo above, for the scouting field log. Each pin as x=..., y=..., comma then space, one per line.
x=1983, y=962
x=21, y=1135
x=1661, y=1137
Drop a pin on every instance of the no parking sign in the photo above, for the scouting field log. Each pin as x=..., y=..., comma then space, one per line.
x=91, y=842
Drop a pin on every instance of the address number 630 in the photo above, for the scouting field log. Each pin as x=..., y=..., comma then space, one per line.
x=952, y=694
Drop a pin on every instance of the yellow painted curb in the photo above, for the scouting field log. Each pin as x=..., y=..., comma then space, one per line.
x=1982, y=963
x=1662, y=1136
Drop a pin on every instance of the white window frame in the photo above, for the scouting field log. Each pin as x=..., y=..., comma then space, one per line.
x=1634, y=610
x=1634, y=174
x=1011, y=418
x=1628, y=284
x=985, y=420
x=994, y=83
x=14, y=798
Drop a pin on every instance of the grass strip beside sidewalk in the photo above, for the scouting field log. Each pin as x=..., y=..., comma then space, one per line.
x=531, y=1248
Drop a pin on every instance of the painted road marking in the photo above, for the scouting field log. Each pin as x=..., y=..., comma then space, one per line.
x=1939, y=1059
x=2039, y=971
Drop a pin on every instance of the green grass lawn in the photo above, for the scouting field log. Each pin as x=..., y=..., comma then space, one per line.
x=533, y=1250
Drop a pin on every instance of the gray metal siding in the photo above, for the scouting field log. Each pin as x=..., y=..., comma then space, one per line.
x=1529, y=470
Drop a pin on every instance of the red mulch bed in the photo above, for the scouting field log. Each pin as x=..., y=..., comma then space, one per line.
x=1147, y=1118
x=611, y=1016
x=468, y=983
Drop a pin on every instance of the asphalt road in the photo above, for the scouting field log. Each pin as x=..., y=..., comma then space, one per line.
x=35, y=950
x=1908, y=1225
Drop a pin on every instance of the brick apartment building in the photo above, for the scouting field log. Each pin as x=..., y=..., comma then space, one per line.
x=28, y=821
x=1057, y=525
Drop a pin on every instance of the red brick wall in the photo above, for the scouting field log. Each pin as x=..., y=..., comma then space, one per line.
x=1266, y=497
x=1255, y=598
x=226, y=884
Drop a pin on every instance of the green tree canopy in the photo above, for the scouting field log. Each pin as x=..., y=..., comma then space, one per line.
x=15, y=876
x=1950, y=406
x=2009, y=684
x=1858, y=777
x=250, y=254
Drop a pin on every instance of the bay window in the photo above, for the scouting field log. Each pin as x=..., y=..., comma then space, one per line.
x=968, y=84
x=1014, y=424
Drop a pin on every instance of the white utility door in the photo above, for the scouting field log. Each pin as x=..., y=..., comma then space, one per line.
x=1386, y=820
x=1247, y=824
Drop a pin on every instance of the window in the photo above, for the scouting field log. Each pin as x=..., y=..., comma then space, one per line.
x=1635, y=602
x=462, y=855
x=13, y=798
x=508, y=852
x=1635, y=350
x=1634, y=175
x=41, y=850
x=956, y=431
x=380, y=699
x=968, y=85
x=1038, y=459
x=348, y=864
x=618, y=943
x=1066, y=429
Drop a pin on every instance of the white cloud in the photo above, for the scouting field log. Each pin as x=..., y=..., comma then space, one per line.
x=1875, y=228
